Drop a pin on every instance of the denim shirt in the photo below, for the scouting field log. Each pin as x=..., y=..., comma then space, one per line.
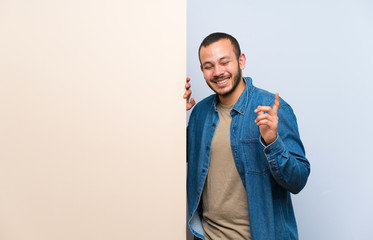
x=268, y=173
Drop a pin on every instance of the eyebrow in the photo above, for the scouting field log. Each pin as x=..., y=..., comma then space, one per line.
x=220, y=59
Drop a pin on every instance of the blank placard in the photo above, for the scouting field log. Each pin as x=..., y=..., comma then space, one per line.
x=92, y=120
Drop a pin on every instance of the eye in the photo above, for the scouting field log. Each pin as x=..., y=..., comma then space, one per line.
x=208, y=67
x=225, y=63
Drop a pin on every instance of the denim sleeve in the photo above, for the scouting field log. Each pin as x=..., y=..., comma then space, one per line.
x=286, y=155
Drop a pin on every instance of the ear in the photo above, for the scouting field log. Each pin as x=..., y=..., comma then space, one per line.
x=242, y=61
x=201, y=67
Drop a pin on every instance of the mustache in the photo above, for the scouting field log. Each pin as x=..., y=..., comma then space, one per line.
x=216, y=78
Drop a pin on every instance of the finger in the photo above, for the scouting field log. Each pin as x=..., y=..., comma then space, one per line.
x=264, y=122
x=276, y=105
x=259, y=114
x=264, y=116
x=188, y=106
x=192, y=102
x=187, y=94
x=187, y=86
x=187, y=79
x=263, y=108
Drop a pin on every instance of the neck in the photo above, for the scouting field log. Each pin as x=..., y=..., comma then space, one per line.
x=232, y=98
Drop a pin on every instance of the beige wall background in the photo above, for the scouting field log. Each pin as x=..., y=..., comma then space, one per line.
x=92, y=120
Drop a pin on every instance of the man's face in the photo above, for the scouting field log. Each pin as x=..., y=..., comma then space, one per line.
x=220, y=67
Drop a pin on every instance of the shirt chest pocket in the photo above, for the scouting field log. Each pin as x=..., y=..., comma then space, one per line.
x=251, y=152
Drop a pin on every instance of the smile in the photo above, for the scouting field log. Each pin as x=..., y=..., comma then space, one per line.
x=222, y=82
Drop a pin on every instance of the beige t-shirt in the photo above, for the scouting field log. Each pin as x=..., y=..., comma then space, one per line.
x=224, y=201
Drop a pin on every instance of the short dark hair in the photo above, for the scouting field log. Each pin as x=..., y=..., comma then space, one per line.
x=214, y=37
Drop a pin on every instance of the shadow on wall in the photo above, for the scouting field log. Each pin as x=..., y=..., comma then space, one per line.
x=189, y=234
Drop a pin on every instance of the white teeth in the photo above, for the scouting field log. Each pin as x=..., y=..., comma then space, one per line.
x=223, y=81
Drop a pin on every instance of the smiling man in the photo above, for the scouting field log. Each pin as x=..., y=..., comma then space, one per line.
x=245, y=155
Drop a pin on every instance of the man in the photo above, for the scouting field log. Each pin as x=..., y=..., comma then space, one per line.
x=244, y=156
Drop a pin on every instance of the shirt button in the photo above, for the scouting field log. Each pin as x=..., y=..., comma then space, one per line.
x=207, y=148
x=197, y=193
x=203, y=170
x=213, y=124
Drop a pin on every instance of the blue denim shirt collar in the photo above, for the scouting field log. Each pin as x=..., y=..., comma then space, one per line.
x=240, y=105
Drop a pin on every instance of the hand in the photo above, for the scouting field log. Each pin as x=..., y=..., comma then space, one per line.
x=267, y=121
x=187, y=94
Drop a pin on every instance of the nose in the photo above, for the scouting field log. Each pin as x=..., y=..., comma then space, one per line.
x=218, y=70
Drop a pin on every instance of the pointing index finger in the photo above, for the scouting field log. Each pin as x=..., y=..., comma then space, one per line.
x=276, y=105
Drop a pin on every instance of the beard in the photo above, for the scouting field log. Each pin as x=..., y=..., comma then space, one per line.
x=235, y=81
